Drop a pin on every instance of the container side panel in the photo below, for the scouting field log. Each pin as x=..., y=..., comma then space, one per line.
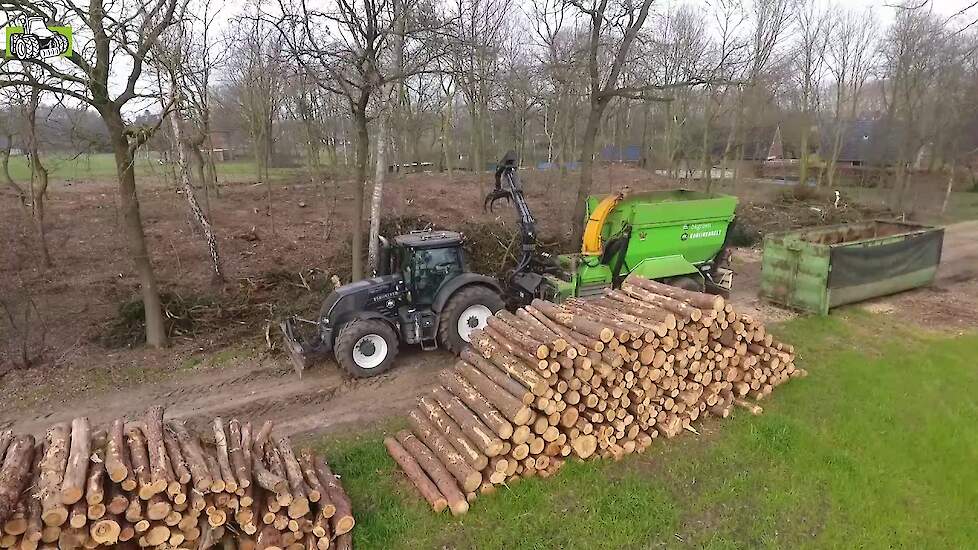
x=882, y=287
x=794, y=274
x=870, y=262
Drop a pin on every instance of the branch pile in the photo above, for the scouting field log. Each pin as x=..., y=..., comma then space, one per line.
x=155, y=484
x=603, y=376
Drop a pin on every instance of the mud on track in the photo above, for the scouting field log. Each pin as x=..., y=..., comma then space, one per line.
x=323, y=399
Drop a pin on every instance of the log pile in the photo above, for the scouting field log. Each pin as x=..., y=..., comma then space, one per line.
x=161, y=484
x=598, y=377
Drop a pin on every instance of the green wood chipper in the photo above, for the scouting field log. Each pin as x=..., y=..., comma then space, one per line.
x=679, y=237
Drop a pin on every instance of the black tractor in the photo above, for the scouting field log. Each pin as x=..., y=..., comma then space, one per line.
x=422, y=294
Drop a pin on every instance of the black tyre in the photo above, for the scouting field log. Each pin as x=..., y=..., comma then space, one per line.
x=466, y=311
x=686, y=283
x=366, y=348
x=25, y=46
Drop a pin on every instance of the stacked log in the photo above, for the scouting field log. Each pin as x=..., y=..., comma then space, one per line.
x=598, y=377
x=162, y=484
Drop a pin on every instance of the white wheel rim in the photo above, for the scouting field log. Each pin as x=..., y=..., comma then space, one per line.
x=370, y=351
x=473, y=318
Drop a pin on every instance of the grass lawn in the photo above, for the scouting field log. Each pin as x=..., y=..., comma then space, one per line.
x=877, y=448
x=101, y=166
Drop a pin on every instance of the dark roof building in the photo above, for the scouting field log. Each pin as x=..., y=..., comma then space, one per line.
x=864, y=142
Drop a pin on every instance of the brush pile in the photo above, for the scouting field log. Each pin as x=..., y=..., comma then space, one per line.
x=603, y=376
x=155, y=484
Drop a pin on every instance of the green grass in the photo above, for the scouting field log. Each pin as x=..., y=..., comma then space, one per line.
x=876, y=448
x=101, y=167
x=88, y=167
x=962, y=206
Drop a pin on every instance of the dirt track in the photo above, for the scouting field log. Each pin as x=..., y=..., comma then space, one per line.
x=324, y=399
x=960, y=260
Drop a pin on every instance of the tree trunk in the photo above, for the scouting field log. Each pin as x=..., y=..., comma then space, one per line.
x=199, y=167
x=76, y=471
x=376, y=198
x=15, y=473
x=452, y=432
x=468, y=477
x=443, y=480
x=176, y=123
x=133, y=227
x=587, y=167
x=39, y=178
x=211, y=167
x=417, y=476
x=53, y=464
x=38, y=192
x=359, y=113
x=803, y=164
x=477, y=143
x=833, y=162
x=948, y=189
x=5, y=168
x=667, y=142
x=644, y=159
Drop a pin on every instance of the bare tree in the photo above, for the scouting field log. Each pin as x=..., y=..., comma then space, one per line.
x=386, y=110
x=612, y=28
x=200, y=63
x=808, y=54
x=564, y=84
x=518, y=100
x=258, y=79
x=171, y=53
x=31, y=102
x=122, y=35
x=728, y=48
x=7, y=131
x=679, y=52
x=769, y=19
x=911, y=54
x=478, y=30
x=343, y=49
x=851, y=55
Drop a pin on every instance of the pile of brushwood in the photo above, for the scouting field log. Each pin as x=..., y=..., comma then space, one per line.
x=150, y=483
x=604, y=376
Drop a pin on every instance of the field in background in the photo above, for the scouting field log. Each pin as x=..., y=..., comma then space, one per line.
x=101, y=167
x=962, y=205
x=875, y=449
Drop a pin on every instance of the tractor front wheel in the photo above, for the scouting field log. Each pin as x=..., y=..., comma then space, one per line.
x=25, y=46
x=366, y=347
x=466, y=311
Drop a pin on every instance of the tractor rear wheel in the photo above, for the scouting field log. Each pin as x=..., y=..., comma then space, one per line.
x=466, y=311
x=366, y=347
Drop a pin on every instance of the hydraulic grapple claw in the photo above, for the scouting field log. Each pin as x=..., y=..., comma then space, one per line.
x=495, y=195
x=298, y=350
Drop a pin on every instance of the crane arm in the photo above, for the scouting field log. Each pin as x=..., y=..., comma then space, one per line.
x=509, y=187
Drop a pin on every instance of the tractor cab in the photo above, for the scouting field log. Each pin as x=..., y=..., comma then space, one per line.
x=426, y=260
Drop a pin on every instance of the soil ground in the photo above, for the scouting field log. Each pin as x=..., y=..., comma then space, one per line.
x=279, y=259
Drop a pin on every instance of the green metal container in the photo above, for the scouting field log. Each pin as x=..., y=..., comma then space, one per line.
x=815, y=270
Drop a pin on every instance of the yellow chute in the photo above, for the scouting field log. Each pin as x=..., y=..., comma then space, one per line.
x=592, y=231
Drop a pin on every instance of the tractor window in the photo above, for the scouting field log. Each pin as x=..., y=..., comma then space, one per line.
x=432, y=267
